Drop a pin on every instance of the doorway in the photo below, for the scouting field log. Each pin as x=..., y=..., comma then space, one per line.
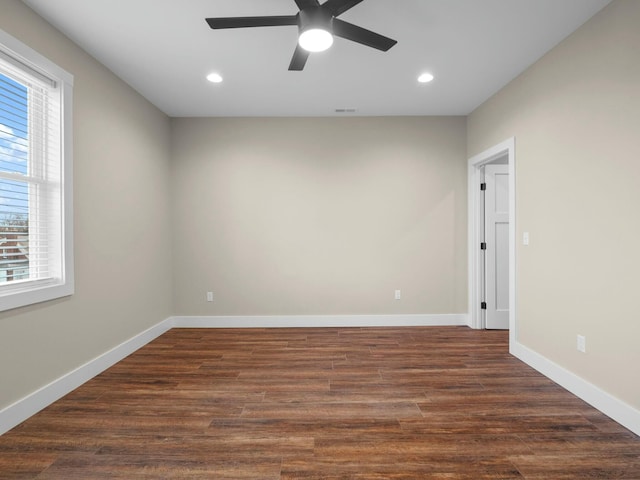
x=496, y=164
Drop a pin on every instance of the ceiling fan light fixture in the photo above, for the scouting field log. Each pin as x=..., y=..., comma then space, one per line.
x=214, y=78
x=425, y=78
x=315, y=40
x=317, y=25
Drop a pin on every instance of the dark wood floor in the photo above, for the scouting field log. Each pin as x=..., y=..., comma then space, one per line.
x=382, y=403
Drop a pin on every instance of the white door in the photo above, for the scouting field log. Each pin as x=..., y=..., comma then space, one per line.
x=496, y=226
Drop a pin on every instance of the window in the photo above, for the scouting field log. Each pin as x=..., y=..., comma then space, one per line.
x=36, y=233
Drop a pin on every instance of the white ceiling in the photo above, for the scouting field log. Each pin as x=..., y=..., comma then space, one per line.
x=164, y=49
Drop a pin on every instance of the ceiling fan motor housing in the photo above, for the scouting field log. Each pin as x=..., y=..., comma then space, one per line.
x=315, y=17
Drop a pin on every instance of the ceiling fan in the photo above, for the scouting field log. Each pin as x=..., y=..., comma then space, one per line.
x=317, y=24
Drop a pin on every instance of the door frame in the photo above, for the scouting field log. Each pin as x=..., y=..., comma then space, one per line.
x=475, y=164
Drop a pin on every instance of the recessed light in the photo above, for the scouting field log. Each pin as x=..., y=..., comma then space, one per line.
x=425, y=78
x=214, y=78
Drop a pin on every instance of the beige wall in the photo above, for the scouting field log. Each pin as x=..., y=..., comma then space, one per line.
x=576, y=118
x=122, y=240
x=319, y=216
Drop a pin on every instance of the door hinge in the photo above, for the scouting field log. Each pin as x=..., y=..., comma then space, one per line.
x=483, y=246
x=483, y=305
x=483, y=186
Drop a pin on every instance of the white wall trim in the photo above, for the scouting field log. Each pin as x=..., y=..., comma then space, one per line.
x=611, y=406
x=310, y=321
x=24, y=408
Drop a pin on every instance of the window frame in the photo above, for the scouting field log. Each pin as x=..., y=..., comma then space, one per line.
x=29, y=292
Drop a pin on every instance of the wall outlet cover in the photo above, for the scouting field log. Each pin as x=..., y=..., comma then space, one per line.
x=582, y=344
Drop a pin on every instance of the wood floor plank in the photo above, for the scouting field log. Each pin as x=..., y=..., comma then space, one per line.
x=591, y=466
x=321, y=403
x=154, y=467
x=24, y=464
x=432, y=468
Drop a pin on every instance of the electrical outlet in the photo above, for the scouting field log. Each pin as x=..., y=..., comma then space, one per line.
x=398, y=295
x=209, y=296
x=582, y=344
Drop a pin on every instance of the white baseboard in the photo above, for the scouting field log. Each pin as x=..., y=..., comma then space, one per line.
x=621, y=412
x=24, y=408
x=309, y=321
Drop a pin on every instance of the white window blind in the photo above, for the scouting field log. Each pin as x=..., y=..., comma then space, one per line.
x=34, y=208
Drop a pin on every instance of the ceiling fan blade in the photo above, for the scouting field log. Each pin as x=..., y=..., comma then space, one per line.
x=241, y=22
x=299, y=59
x=338, y=7
x=361, y=35
x=302, y=4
